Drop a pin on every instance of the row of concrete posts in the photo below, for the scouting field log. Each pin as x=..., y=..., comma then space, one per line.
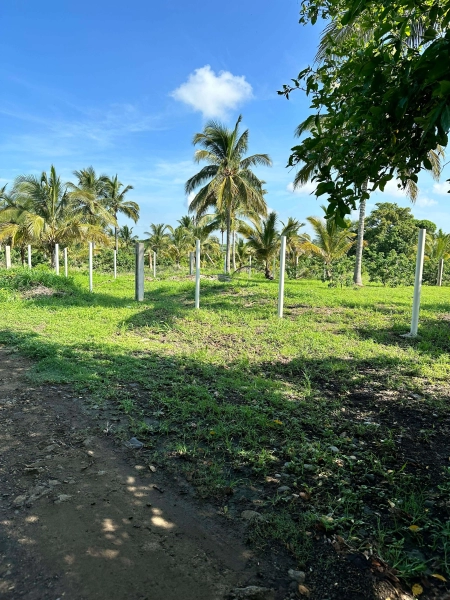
x=195, y=259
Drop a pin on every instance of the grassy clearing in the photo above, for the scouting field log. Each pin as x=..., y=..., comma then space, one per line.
x=329, y=402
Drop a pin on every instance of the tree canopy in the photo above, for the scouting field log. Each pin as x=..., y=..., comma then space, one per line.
x=382, y=80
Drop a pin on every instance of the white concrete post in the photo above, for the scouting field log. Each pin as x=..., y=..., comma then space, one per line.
x=66, y=263
x=91, y=283
x=281, y=284
x=57, y=259
x=440, y=272
x=197, y=274
x=418, y=283
x=154, y=265
x=115, y=264
x=139, y=273
x=29, y=256
x=8, y=256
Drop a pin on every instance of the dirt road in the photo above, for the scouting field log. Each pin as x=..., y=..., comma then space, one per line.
x=84, y=518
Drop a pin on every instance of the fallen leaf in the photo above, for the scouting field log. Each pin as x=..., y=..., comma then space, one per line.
x=152, y=468
x=303, y=590
x=441, y=577
x=414, y=528
x=417, y=589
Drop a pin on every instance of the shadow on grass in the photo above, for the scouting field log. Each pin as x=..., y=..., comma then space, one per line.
x=252, y=419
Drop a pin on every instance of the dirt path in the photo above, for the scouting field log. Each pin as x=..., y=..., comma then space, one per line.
x=82, y=518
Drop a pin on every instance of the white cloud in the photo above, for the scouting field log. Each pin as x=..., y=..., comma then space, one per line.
x=213, y=95
x=425, y=202
x=441, y=188
x=392, y=189
x=308, y=188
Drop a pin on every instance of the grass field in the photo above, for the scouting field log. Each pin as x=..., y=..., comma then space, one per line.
x=324, y=422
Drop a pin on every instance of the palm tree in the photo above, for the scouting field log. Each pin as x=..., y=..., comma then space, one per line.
x=179, y=243
x=209, y=244
x=90, y=193
x=157, y=237
x=243, y=251
x=187, y=222
x=50, y=213
x=331, y=242
x=126, y=236
x=116, y=203
x=294, y=240
x=227, y=179
x=264, y=240
x=14, y=227
x=437, y=245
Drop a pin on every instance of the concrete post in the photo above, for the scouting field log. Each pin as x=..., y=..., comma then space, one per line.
x=57, y=259
x=8, y=256
x=66, y=263
x=282, y=269
x=29, y=256
x=440, y=272
x=418, y=284
x=91, y=283
x=115, y=263
x=139, y=273
x=154, y=265
x=197, y=274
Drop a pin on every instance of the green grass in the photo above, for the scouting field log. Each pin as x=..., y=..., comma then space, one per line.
x=230, y=395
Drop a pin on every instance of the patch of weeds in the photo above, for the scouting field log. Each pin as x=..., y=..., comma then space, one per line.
x=294, y=533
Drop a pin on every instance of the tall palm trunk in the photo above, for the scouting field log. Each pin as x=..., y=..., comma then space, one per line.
x=227, y=267
x=357, y=278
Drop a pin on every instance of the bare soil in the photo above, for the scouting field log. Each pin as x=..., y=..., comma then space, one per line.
x=84, y=518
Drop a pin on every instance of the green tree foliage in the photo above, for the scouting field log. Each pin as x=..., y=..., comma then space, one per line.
x=126, y=237
x=227, y=180
x=116, y=203
x=391, y=227
x=158, y=238
x=264, y=240
x=50, y=213
x=331, y=243
x=383, y=83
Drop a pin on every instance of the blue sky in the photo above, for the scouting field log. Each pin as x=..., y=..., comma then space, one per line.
x=124, y=86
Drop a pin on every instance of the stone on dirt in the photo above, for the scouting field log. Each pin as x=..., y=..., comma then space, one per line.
x=19, y=501
x=251, y=515
x=63, y=498
x=253, y=592
x=298, y=576
x=134, y=443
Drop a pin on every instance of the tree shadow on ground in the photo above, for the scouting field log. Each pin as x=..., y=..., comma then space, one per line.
x=88, y=519
x=247, y=421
